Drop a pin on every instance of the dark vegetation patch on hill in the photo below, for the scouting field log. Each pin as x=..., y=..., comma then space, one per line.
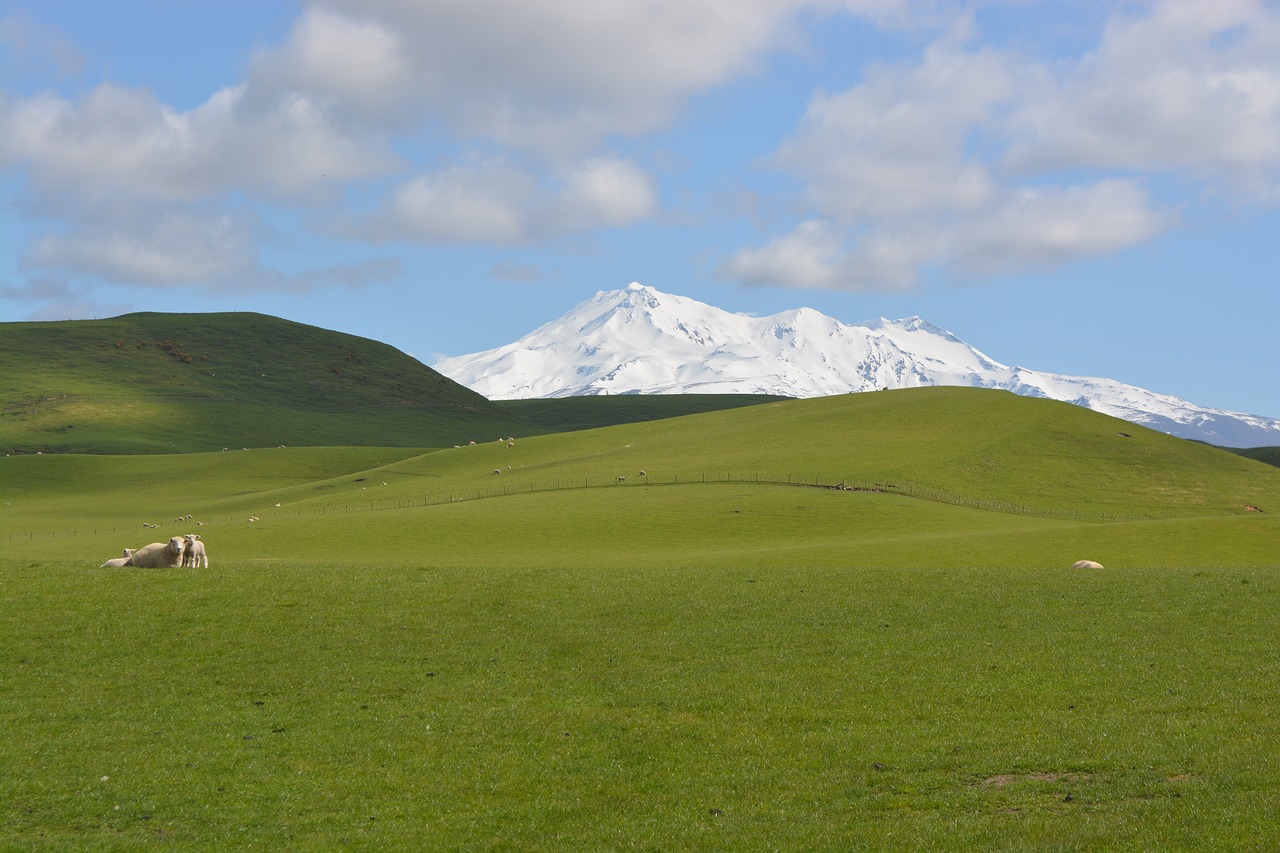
x=564, y=414
x=1269, y=455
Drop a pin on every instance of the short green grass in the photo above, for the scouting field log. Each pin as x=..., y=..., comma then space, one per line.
x=306, y=706
x=645, y=665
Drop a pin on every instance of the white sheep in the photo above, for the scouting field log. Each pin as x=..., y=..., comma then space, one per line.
x=1086, y=564
x=118, y=562
x=159, y=555
x=196, y=557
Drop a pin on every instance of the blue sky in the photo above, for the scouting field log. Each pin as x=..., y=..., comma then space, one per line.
x=1073, y=187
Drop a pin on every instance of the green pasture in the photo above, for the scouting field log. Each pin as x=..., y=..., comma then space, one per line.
x=317, y=705
x=414, y=652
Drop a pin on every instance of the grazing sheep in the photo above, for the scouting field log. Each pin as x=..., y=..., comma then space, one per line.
x=195, y=556
x=1086, y=564
x=118, y=562
x=159, y=555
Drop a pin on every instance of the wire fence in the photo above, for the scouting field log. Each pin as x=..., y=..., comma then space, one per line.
x=506, y=488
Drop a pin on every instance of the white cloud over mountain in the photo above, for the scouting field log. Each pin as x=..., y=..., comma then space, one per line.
x=500, y=124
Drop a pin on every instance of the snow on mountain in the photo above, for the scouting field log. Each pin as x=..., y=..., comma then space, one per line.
x=641, y=341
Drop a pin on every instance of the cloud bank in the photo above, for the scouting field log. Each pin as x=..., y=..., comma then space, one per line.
x=977, y=161
x=391, y=122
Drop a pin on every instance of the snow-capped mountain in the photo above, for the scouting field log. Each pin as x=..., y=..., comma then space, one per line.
x=641, y=341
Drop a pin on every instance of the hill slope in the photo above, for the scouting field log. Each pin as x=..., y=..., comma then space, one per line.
x=1005, y=480
x=156, y=382
x=720, y=665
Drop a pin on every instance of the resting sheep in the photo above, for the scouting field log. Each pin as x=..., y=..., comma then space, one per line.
x=1086, y=564
x=195, y=555
x=159, y=555
x=118, y=562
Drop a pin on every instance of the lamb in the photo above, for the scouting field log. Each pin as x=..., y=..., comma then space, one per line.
x=1086, y=564
x=118, y=562
x=159, y=555
x=196, y=557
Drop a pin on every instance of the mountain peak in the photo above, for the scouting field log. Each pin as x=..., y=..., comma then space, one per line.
x=639, y=340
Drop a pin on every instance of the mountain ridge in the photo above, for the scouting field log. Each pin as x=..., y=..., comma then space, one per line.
x=639, y=340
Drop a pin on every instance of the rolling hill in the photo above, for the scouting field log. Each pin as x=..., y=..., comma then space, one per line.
x=163, y=383
x=509, y=645
x=941, y=463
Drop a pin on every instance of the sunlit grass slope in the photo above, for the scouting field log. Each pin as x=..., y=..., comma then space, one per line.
x=168, y=383
x=737, y=664
x=970, y=451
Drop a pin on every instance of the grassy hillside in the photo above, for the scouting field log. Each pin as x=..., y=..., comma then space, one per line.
x=163, y=383
x=562, y=414
x=1031, y=461
x=412, y=651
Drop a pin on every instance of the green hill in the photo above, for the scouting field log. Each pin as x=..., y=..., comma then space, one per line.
x=1003, y=460
x=507, y=646
x=156, y=383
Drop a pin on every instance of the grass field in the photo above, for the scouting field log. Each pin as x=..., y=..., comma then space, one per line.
x=723, y=662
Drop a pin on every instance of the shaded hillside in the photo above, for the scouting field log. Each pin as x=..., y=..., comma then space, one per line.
x=562, y=414
x=155, y=382
x=1269, y=455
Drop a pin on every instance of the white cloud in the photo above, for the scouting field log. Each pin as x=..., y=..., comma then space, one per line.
x=29, y=45
x=895, y=145
x=810, y=256
x=1189, y=86
x=177, y=248
x=958, y=161
x=481, y=203
x=356, y=67
x=605, y=192
x=558, y=77
x=120, y=141
x=498, y=203
x=1038, y=227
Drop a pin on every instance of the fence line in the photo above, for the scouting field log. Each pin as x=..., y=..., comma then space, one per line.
x=901, y=489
